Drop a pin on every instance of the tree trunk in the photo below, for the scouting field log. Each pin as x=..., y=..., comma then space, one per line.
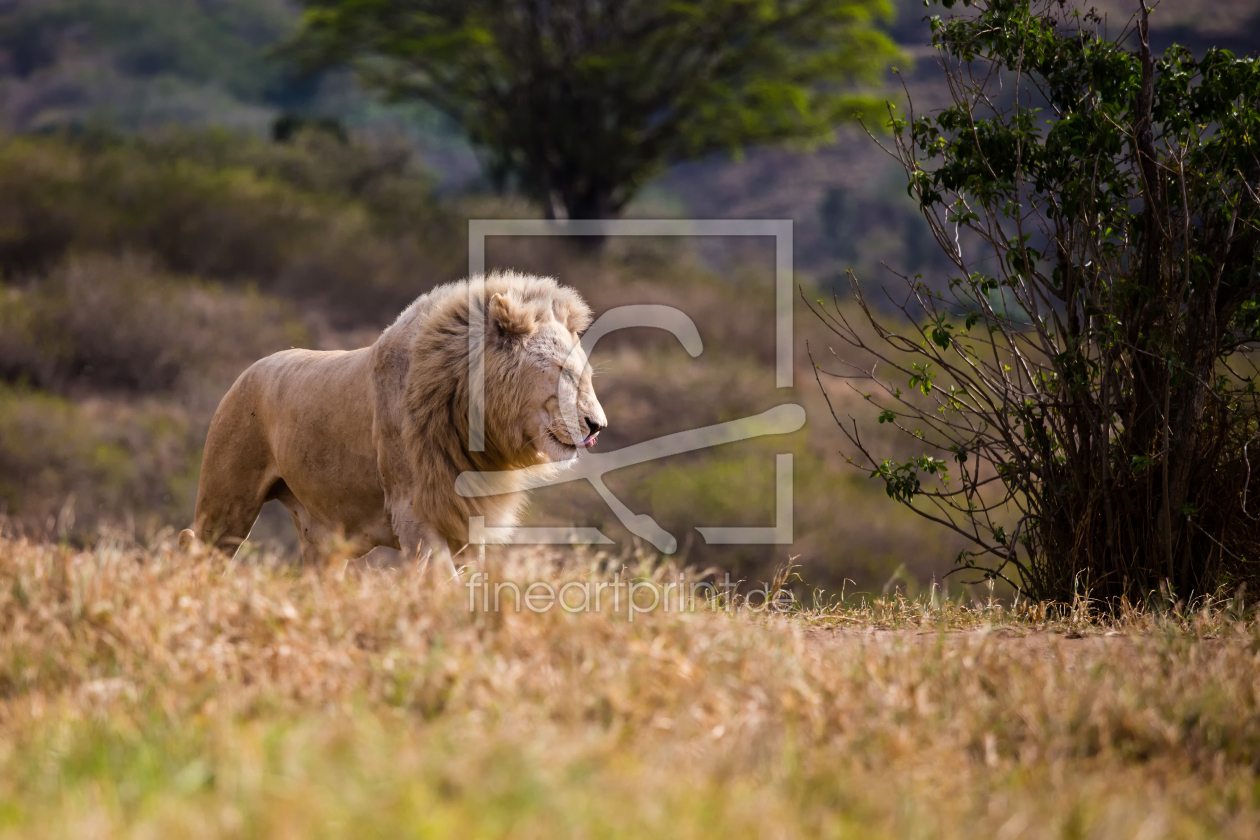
x=591, y=202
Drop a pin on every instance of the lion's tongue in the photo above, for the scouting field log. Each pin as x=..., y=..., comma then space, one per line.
x=589, y=440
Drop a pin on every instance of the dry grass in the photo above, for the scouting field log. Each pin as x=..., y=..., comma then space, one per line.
x=161, y=694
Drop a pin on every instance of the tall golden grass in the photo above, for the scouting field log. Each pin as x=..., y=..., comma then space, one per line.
x=157, y=693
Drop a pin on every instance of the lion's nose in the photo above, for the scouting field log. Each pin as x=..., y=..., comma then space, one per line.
x=595, y=427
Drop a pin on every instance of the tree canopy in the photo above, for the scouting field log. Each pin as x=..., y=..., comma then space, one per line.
x=577, y=103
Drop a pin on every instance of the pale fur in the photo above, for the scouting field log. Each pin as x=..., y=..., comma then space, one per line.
x=366, y=445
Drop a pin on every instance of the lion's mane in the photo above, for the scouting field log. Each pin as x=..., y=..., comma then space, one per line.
x=435, y=426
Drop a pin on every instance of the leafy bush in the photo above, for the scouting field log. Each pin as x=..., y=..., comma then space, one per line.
x=1091, y=361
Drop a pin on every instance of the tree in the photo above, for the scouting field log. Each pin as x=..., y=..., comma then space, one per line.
x=578, y=102
x=1088, y=370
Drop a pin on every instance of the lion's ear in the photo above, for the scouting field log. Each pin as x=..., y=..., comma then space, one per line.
x=509, y=318
x=572, y=311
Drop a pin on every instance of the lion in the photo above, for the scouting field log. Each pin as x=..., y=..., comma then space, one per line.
x=365, y=445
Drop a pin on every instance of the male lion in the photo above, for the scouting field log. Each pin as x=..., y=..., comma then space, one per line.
x=367, y=444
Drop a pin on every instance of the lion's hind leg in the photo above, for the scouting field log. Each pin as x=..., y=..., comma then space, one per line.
x=237, y=469
x=229, y=499
x=225, y=520
x=313, y=538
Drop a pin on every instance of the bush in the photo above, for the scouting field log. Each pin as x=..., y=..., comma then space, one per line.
x=118, y=324
x=71, y=468
x=1089, y=370
x=354, y=229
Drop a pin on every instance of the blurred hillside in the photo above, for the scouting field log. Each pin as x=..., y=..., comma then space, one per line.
x=136, y=65
x=138, y=277
x=141, y=64
x=144, y=64
x=155, y=240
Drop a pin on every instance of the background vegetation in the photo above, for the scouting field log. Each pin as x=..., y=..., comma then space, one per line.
x=154, y=239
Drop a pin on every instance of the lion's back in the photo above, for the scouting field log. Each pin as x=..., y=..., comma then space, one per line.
x=303, y=414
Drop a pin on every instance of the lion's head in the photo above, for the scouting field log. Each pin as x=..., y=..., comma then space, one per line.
x=540, y=406
x=540, y=400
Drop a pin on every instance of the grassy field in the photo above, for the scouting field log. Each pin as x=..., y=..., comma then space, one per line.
x=156, y=693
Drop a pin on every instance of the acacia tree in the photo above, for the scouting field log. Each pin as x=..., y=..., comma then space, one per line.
x=578, y=102
x=1088, y=368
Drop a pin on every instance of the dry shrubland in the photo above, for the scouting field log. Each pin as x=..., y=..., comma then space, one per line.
x=351, y=229
x=140, y=276
x=118, y=324
x=114, y=368
x=160, y=693
x=147, y=691
x=69, y=468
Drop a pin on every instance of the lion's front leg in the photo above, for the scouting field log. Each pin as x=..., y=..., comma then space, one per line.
x=433, y=546
x=422, y=542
